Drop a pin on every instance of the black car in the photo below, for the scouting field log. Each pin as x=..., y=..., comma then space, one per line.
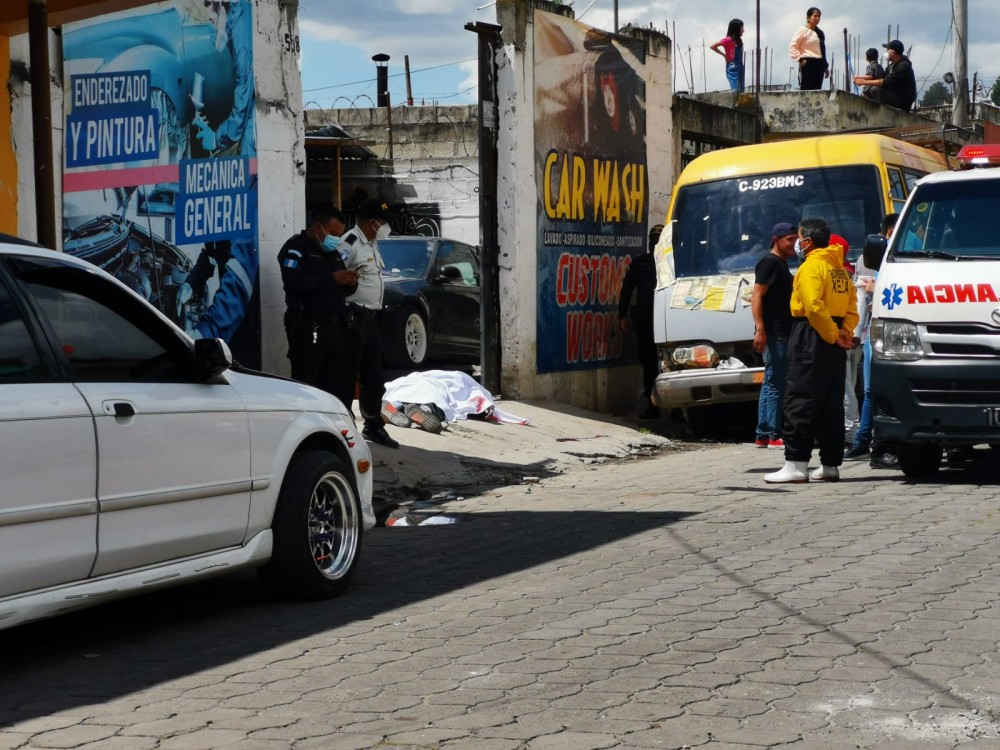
x=431, y=304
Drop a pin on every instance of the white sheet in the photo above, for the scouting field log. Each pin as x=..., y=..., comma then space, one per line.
x=457, y=395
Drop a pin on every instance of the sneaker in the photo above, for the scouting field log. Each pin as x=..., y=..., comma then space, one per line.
x=377, y=434
x=428, y=416
x=825, y=474
x=760, y=442
x=856, y=452
x=793, y=472
x=776, y=443
x=392, y=415
x=885, y=460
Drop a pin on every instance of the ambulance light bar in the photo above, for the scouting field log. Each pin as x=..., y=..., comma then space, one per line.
x=985, y=155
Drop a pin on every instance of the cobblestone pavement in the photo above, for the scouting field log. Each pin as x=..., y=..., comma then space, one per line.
x=669, y=602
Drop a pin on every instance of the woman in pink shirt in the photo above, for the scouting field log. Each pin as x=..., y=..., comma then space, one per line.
x=808, y=49
x=731, y=48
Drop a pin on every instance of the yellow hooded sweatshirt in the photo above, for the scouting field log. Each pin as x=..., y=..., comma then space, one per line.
x=822, y=291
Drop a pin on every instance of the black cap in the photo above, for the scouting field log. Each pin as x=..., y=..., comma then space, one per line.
x=782, y=229
x=373, y=208
x=895, y=45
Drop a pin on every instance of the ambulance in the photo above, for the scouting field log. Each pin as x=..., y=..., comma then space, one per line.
x=718, y=226
x=935, y=331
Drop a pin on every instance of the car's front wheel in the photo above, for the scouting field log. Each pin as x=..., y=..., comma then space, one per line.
x=317, y=529
x=409, y=348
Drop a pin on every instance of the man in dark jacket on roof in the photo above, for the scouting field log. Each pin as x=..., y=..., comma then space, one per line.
x=898, y=88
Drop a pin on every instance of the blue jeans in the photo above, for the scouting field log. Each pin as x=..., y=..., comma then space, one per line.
x=734, y=74
x=771, y=407
x=864, y=433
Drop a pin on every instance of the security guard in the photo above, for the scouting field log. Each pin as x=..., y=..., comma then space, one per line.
x=359, y=251
x=824, y=314
x=316, y=282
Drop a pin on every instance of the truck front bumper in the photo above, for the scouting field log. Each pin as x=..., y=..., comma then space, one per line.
x=948, y=403
x=706, y=387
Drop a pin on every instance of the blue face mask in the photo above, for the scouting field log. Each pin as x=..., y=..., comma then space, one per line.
x=331, y=242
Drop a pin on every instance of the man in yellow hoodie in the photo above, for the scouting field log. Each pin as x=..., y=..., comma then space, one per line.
x=824, y=313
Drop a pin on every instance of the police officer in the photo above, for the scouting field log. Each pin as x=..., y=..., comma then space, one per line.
x=824, y=313
x=315, y=282
x=359, y=251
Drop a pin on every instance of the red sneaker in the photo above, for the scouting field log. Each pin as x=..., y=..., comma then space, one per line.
x=760, y=442
x=776, y=443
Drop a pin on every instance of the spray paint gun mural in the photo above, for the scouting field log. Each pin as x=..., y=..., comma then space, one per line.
x=160, y=173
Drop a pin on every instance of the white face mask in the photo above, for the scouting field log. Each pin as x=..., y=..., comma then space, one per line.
x=382, y=232
x=798, y=249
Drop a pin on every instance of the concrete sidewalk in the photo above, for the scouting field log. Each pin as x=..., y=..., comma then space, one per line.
x=472, y=456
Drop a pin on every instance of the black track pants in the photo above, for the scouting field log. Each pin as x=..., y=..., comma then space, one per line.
x=814, y=396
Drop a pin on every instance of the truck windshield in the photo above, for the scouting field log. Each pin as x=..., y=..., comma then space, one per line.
x=724, y=226
x=952, y=219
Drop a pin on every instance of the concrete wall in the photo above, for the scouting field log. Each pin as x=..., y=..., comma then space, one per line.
x=609, y=389
x=281, y=159
x=435, y=152
x=21, y=130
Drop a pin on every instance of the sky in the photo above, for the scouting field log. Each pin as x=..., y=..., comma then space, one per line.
x=339, y=37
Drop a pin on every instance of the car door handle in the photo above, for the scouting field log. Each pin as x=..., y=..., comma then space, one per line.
x=119, y=409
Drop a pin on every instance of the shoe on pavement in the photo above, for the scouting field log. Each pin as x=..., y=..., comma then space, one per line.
x=793, y=472
x=392, y=415
x=760, y=442
x=886, y=460
x=776, y=443
x=377, y=434
x=856, y=452
x=825, y=474
x=428, y=416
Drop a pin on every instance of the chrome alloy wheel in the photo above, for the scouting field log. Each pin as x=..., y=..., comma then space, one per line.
x=334, y=525
x=415, y=338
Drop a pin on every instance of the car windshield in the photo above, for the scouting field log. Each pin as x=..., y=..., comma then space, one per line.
x=723, y=227
x=952, y=219
x=406, y=258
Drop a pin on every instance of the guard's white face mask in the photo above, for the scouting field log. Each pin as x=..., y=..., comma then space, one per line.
x=382, y=232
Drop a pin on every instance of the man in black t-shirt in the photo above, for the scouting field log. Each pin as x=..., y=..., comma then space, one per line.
x=772, y=317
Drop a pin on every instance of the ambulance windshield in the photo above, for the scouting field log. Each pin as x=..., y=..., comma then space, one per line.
x=723, y=227
x=951, y=220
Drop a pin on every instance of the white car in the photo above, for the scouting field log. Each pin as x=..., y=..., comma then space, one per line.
x=132, y=458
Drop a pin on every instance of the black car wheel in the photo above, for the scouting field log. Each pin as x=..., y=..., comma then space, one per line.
x=410, y=341
x=317, y=529
x=919, y=460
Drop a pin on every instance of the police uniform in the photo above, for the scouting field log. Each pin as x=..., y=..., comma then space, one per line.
x=364, y=346
x=315, y=316
x=823, y=303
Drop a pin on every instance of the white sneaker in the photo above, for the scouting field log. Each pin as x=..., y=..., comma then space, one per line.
x=825, y=474
x=793, y=472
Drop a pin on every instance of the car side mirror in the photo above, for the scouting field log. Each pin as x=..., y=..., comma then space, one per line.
x=874, y=251
x=211, y=357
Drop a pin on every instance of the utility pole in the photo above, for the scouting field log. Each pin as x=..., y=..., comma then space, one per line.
x=960, y=107
x=41, y=123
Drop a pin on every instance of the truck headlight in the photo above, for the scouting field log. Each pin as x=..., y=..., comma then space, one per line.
x=690, y=357
x=896, y=339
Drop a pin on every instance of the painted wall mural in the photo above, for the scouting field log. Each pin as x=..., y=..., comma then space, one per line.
x=160, y=168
